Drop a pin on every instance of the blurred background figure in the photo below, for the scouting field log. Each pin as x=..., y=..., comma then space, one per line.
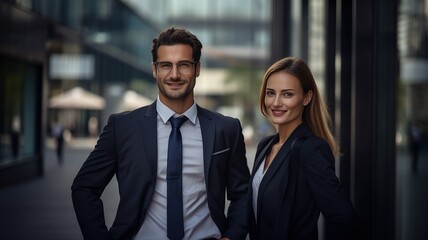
x=414, y=137
x=93, y=127
x=58, y=135
x=15, y=135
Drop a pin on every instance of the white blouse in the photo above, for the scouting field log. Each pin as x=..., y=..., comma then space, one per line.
x=257, y=179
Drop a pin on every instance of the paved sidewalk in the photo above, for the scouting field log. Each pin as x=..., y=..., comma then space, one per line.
x=41, y=208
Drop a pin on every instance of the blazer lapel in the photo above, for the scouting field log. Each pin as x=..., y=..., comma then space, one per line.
x=149, y=135
x=279, y=164
x=208, y=137
x=261, y=155
x=280, y=158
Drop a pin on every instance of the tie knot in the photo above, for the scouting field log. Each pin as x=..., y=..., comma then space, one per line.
x=177, y=122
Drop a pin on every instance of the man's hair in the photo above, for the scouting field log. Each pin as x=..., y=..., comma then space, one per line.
x=173, y=36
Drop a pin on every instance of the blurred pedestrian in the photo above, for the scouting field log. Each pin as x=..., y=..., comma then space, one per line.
x=93, y=126
x=293, y=178
x=414, y=136
x=15, y=133
x=172, y=181
x=58, y=135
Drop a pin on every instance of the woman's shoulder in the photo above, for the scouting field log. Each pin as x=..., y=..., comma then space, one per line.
x=315, y=140
x=316, y=152
x=313, y=143
x=304, y=133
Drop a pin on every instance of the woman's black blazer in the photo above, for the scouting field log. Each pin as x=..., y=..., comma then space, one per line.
x=299, y=184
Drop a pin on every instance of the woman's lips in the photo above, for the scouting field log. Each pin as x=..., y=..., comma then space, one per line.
x=278, y=112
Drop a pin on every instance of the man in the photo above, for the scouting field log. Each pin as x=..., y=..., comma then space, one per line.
x=135, y=146
x=58, y=134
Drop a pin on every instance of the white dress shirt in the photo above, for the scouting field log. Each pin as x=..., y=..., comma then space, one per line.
x=257, y=179
x=198, y=223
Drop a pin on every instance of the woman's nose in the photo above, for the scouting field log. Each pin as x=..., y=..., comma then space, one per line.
x=277, y=101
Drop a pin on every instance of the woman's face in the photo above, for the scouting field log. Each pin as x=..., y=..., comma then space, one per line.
x=285, y=99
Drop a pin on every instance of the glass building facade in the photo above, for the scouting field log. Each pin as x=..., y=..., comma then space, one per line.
x=104, y=48
x=22, y=58
x=48, y=47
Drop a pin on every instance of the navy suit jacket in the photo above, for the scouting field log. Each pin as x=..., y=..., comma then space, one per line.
x=127, y=148
x=293, y=192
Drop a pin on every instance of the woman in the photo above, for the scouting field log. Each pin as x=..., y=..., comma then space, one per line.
x=293, y=177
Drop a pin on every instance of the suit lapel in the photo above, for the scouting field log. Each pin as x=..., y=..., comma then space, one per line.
x=279, y=164
x=280, y=157
x=208, y=137
x=261, y=155
x=149, y=135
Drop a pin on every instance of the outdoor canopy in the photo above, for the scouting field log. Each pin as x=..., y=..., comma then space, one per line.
x=132, y=100
x=77, y=98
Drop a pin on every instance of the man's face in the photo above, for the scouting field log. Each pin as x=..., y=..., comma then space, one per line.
x=175, y=73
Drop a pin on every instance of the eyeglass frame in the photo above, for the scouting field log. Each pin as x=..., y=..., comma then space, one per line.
x=193, y=68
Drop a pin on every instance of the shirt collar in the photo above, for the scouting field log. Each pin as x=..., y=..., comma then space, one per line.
x=166, y=113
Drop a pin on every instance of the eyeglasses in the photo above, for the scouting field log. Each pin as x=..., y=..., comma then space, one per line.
x=184, y=67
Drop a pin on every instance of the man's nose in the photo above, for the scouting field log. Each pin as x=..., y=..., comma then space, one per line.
x=175, y=73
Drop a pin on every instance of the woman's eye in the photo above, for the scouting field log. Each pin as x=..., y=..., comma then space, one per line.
x=270, y=93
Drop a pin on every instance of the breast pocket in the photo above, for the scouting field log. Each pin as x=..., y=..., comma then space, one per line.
x=221, y=157
x=224, y=151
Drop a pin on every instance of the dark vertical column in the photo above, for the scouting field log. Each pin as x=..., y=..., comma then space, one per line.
x=281, y=29
x=363, y=146
x=344, y=44
x=331, y=47
x=345, y=71
x=330, y=55
x=304, y=31
x=372, y=160
x=386, y=77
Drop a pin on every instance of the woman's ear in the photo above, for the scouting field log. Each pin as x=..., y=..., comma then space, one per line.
x=308, y=98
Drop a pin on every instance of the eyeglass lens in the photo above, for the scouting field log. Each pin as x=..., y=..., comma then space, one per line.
x=184, y=67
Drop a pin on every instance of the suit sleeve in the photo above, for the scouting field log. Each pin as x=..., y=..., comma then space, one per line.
x=90, y=182
x=237, y=187
x=328, y=192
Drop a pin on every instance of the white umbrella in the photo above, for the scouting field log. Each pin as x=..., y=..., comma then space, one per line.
x=77, y=98
x=132, y=100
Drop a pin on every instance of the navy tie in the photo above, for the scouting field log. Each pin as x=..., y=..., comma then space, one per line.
x=174, y=209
